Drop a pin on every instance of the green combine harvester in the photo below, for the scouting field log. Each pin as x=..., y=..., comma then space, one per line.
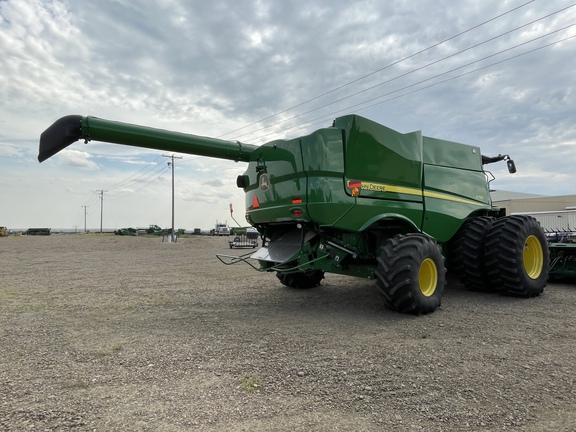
x=360, y=199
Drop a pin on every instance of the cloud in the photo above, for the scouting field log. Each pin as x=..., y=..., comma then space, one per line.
x=77, y=159
x=209, y=68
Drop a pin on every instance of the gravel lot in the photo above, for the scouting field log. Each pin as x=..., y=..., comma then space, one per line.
x=108, y=333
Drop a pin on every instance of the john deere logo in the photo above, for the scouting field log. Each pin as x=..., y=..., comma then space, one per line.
x=264, y=182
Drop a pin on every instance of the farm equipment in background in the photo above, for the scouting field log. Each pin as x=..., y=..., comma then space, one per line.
x=360, y=199
x=562, y=247
x=244, y=238
x=38, y=231
x=151, y=230
x=126, y=232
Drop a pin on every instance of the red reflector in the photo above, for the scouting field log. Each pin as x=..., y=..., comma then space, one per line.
x=296, y=200
x=354, y=184
x=297, y=213
x=255, y=202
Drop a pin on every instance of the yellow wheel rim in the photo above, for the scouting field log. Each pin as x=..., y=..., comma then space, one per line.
x=533, y=257
x=428, y=277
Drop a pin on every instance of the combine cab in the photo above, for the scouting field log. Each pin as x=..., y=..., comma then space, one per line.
x=360, y=199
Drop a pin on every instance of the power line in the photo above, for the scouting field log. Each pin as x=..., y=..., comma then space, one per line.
x=162, y=169
x=475, y=70
x=145, y=173
x=91, y=200
x=147, y=167
x=327, y=116
x=421, y=68
x=378, y=70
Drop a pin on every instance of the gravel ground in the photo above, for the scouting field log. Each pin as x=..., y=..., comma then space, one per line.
x=108, y=333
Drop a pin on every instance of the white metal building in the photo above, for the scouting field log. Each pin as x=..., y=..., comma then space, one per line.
x=555, y=213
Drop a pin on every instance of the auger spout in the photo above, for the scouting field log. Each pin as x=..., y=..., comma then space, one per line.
x=72, y=128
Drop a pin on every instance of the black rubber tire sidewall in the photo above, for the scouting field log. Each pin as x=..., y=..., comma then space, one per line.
x=467, y=253
x=504, y=256
x=397, y=273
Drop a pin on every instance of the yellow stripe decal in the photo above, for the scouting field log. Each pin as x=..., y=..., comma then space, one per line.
x=379, y=187
x=429, y=194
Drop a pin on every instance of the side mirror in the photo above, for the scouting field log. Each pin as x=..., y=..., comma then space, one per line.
x=242, y=182
x=511, y=166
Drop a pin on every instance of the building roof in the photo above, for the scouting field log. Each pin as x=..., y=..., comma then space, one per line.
x=498, y=195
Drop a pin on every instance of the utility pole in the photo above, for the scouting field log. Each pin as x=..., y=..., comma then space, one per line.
x=171, y=164
x=101, y=206
x=85, y=211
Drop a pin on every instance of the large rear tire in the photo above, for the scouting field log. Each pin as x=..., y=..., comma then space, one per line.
x=517, y=257
x=301, y=280
x=410, y=274
x=467, y=253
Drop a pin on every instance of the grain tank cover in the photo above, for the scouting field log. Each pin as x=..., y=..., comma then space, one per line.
x=452, y=154
x=388, y=163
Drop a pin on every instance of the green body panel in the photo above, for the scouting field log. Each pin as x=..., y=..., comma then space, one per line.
x=451, y=154
x=455, y=186
x=323, y=154
x=375, y=153
x=450, y=196
x=329, y=200
x=275, y=175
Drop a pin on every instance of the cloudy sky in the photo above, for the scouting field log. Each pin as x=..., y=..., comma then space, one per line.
x=499, y=74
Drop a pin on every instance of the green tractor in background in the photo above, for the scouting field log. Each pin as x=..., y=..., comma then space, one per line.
x=360, y=199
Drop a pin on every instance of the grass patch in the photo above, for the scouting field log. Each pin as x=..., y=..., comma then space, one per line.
x=250, y=384
x=20, y=301
x=7, y=293
x=107, y=351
